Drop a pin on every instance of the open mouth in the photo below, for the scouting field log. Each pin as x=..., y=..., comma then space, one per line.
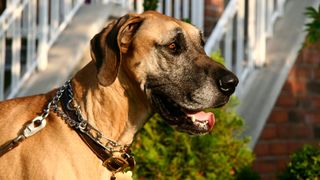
x=186, y=120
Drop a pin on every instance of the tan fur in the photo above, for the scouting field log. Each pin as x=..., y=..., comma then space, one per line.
x=119, y=110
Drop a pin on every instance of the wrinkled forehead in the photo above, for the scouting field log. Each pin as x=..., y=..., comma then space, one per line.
x=162, y=28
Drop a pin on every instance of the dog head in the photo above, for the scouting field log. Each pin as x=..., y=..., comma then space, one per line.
x=166, y=58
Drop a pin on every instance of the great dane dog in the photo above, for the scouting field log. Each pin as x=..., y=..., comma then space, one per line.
x=141, y=64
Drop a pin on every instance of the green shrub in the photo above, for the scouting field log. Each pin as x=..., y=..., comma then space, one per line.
x=163, y=153
x=187, y=20
x=303, y=165
x=313, y=27
x=247, y=173
x=217, y=56
x=150, y=4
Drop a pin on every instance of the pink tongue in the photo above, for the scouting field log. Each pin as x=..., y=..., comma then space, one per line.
x=204, y=116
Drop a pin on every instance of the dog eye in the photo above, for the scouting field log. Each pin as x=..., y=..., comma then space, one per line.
x=172, y=46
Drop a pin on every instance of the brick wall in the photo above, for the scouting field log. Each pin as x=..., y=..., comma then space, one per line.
x=213, y=10
x=295, y=118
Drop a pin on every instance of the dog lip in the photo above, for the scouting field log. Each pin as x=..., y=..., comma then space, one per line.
x=221, y=103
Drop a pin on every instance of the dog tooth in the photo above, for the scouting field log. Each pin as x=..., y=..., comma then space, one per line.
x=193, y=118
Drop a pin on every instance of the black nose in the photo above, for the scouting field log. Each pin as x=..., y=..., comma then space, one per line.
x=228, y=83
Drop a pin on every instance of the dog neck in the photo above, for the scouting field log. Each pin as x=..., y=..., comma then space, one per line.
x=118, y=110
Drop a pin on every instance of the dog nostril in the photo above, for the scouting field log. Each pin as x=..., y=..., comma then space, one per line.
x=228, y=83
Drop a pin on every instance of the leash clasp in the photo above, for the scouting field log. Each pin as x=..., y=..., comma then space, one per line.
x=30, y=129
x=35, y=126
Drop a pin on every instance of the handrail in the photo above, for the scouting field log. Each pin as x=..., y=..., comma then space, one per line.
x=28, y=30
x=221, y=28
x=241, y=34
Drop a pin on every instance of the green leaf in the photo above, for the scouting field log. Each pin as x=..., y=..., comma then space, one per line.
x=311, y=12
x=313, y=27
x=304, y=164
x=217, y=56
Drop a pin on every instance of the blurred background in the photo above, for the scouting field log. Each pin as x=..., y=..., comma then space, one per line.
x=272, y=45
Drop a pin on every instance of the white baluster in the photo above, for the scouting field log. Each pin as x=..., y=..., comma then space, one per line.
x=160, y=6
x=228, y=44
x=240, y=36
x=185, y=14
x=16, y=48
x=168, y=8
x=2, y=64
x=139, y=6
x=270, y=13
x=177, y=9
x=43, y=31
x=252, y=33
x=197, y=13
x=261, y=32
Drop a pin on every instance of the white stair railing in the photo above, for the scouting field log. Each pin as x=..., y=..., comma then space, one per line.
x=29, y=27
x=27, y=30
x=179, y=9
x=241, y=33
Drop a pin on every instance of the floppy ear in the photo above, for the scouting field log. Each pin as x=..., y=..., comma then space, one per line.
x=108, y=46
